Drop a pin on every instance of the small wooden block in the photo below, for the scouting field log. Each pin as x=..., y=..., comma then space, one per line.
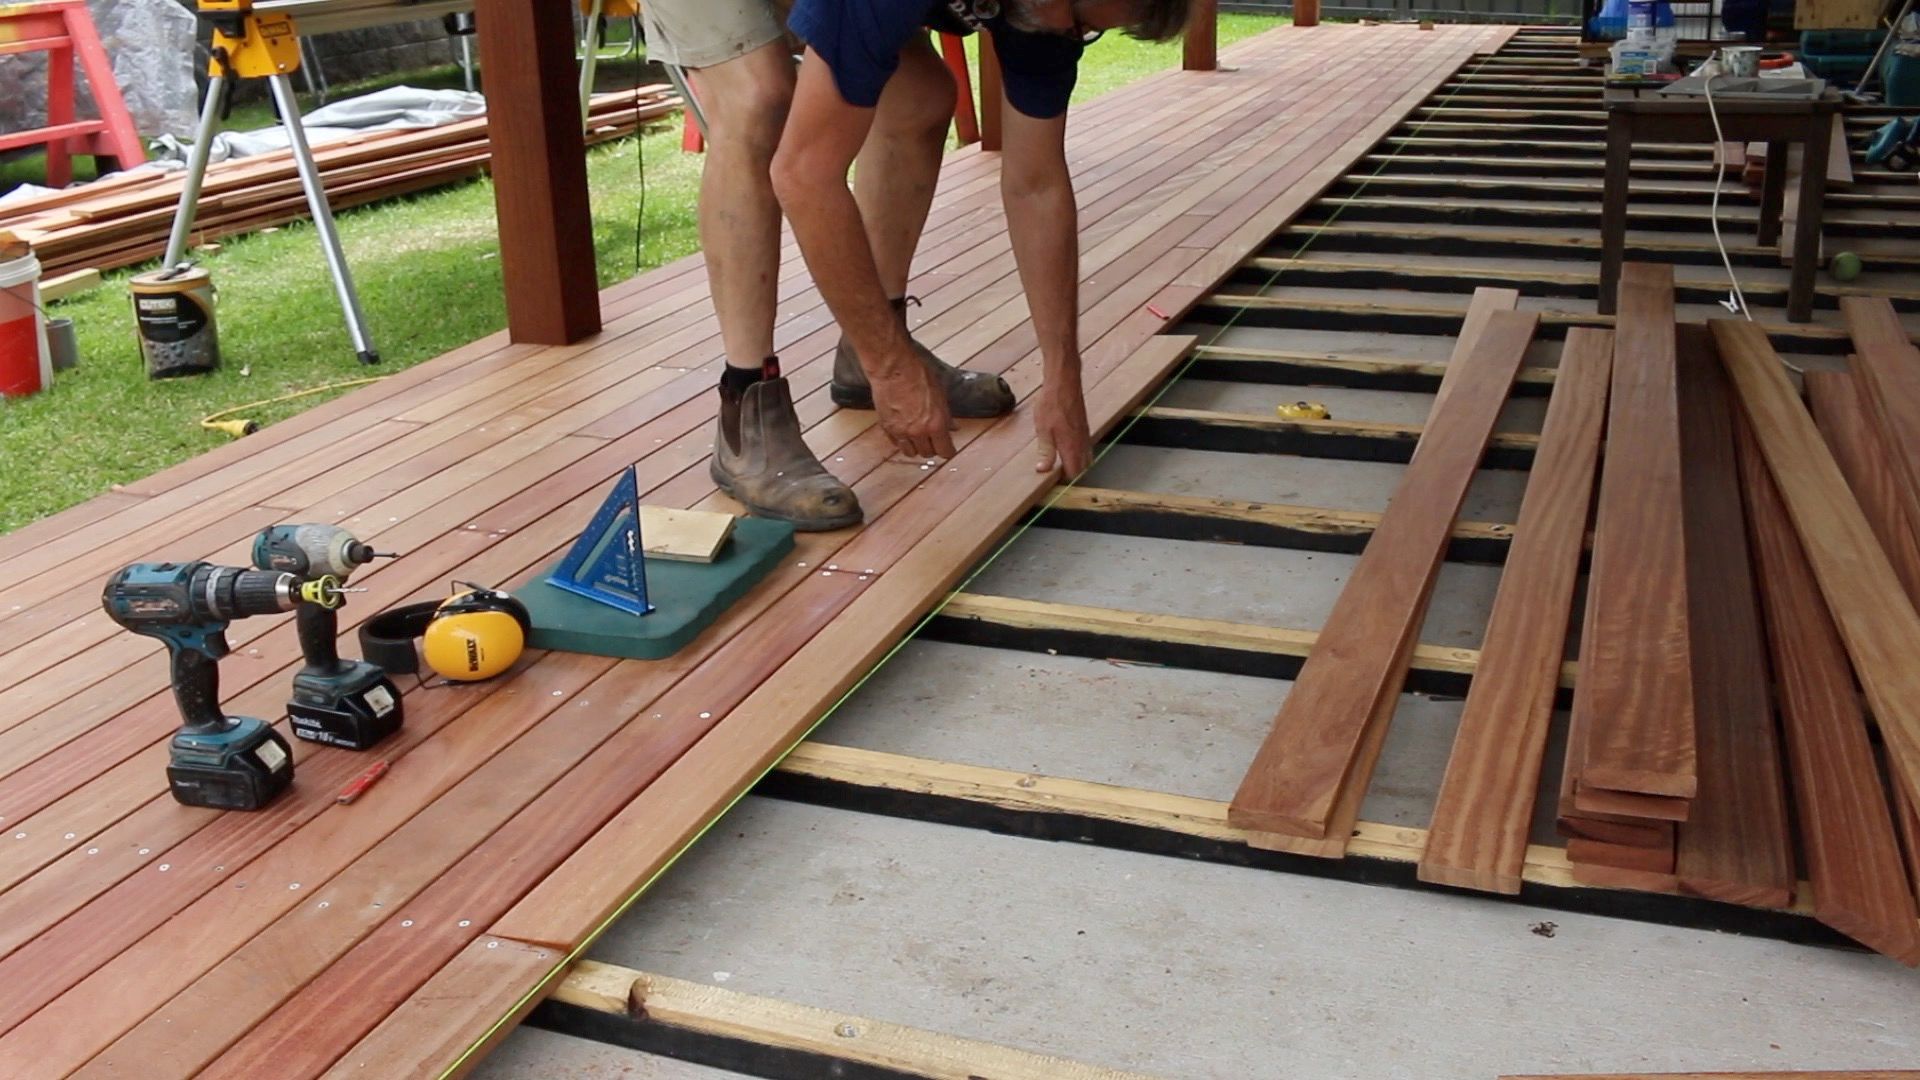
x=59, y=288
x=684, y=535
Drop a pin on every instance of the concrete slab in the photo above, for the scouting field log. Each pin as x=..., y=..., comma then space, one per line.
x=1194, y=970
x=1522, y=414
x=1342, y=485
x=532, y=1054
x=1434, y=348
x=1158, y=729
x=1268, y=586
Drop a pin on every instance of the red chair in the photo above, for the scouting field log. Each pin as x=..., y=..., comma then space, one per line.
x=63, y=29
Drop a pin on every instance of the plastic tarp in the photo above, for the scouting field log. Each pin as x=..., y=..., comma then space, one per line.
x=393, y=109
x=150, y=43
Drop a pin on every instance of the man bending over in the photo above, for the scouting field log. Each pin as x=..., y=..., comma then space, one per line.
x=866, y=69
x=743, y=75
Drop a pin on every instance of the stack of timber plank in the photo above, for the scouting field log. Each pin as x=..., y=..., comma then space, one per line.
x=1751, y=563
x=124, y=219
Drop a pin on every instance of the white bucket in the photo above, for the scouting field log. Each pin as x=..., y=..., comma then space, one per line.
x=26, y=364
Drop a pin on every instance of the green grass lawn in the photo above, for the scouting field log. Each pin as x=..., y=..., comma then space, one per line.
x=429, y=281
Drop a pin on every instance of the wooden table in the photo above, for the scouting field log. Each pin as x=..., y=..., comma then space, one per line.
x=1635, y=115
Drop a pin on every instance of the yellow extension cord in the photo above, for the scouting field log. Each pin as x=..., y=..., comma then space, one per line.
x=237, y=428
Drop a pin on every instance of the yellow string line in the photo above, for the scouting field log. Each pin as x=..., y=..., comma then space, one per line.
x=1059, y=492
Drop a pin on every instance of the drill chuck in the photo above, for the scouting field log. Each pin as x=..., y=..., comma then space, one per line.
x=240, y=594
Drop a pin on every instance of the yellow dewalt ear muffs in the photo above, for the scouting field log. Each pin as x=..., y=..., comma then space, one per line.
x=470, y=636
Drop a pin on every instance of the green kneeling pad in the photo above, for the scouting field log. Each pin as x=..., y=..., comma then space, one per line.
x=686, y=597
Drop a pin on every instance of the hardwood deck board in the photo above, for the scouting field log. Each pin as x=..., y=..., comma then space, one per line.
x=1735, y=845
x=1634, y=703
x=1860, y=887
x=1845, y=419
x=506, y=801
x=1295, y=779
x=1478, y=835
x=1877, y=622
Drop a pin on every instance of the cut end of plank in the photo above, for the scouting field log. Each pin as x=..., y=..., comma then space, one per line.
x=1254, y=819
x=1736, y=892
x=1619, y=804
x=1478, y=878
x=1643, y=782
x=1611, y=877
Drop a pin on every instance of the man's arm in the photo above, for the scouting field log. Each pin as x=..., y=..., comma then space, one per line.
x=1043, y=221
x=822, y=137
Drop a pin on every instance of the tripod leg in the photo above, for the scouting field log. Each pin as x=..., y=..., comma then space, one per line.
x=196, y=170
x=590, y=59
x=685, y=86
x=323, y=219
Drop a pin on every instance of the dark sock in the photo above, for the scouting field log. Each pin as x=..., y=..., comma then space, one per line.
x=735, y=380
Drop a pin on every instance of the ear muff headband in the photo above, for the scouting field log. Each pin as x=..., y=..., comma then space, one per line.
x=494, y=624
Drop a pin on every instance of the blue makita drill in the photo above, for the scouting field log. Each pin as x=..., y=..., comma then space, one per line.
x=219, y=761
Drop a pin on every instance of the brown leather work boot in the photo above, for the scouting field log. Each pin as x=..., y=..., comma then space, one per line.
x=760, y=459
x=971, y=395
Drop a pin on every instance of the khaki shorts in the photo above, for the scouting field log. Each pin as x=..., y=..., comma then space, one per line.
x=702, y=33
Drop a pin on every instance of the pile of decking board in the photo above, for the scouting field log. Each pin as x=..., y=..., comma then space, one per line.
x=124, y=219
x=1751, y=568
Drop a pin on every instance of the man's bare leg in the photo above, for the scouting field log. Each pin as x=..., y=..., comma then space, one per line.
x=893, y=183
x=759, y=456
x=745, y=102
x=899, y=167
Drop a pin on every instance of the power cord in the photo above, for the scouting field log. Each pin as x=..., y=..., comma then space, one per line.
x=1708, y=72
x=640, y=162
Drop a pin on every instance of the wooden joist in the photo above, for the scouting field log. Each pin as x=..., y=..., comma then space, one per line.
x=1310, y=755
x=830, y=1041
x=1735, y=845
x=1160, y=811
x=1194, y=517
x=1877, y=622
x=1478, y=835
x=1633, y=707
x=1272, y=651
x=1860, y=886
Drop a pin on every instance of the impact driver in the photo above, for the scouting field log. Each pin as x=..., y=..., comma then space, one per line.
x=215, y=760
x=345, y=703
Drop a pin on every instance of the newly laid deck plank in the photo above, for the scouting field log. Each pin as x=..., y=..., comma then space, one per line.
x=1478, y=835
x=1735, y=844
x=1860, y=887
x=1296, y=777
x=1635, y=698
x=1877, y=622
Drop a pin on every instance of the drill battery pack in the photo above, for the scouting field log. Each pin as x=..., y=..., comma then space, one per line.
x=354, y=710
x=243, y=767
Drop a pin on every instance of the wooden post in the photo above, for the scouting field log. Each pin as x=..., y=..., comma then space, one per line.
x=990, y=98
x=966, y=125
x=539, y=171
x=1306, y=12
x=1200, y=50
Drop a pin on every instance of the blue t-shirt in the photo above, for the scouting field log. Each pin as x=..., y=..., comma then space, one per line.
x=861, y=41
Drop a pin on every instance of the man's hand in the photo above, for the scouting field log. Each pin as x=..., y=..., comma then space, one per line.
x=913, y=409
x=1060, y=425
